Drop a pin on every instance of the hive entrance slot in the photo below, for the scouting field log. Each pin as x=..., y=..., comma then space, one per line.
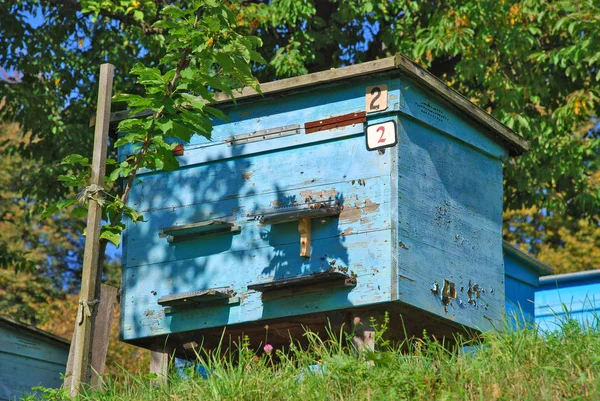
x=215, y=296
x=303, y=284
x=199, y=229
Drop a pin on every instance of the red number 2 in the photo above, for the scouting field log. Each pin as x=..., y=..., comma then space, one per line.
x=382, y=130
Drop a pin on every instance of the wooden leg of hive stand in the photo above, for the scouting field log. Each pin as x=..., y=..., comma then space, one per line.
x=304, y=227
x=159, y=364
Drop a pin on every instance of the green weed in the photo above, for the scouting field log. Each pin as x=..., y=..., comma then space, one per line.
x=502, y=365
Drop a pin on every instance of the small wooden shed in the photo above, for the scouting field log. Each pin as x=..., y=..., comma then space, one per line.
x=522, y=280
x=563, y=297
x=29, y=357
x=348, y=192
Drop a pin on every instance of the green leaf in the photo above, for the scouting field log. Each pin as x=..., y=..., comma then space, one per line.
x=169, y=161
x=75, y=159
x=133, y=214
x=66, y=203
x=49, y=211
x=138, y=15
x=217, y=113
x=182, y=131
x=188, y=73
x=225, y=62
x=164, y=125
x=114, y=175
x=192, y=101
x=70, y=180
x=125, y=97
x=111, y=235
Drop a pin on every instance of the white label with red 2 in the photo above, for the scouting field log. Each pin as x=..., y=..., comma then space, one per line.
x=382, y=135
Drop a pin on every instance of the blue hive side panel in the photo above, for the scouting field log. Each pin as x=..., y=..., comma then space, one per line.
x=521, y=282
x=27, y=360
x=449, y=214
x=424, y=106
x=232, y=182
x=558, y=301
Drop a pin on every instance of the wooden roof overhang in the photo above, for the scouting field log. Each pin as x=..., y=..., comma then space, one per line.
x=515, y=143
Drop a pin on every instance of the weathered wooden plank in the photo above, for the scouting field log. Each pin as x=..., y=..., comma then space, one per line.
x=160, y=359
x=333, y=100
x=101, y=335
x=406, y=66
x=102, y=326
x=196, y=297
x=296, y=83
x=314, y=79
x=298, y=212
x=205, y=228
x=417, y=97
x=363, y=191
x=317, y=287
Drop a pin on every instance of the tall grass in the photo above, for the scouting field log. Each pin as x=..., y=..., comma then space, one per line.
x=506, y=365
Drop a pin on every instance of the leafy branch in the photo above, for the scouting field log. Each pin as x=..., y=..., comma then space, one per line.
x=204, y=54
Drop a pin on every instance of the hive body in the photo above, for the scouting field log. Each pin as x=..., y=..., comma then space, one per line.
x=418, y=229
x=29, y=357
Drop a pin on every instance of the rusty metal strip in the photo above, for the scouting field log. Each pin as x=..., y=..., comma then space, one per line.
x=178, y=150
x=335, y=122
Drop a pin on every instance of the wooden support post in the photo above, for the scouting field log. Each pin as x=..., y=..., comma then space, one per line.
x=304, y=227
x=102, y=326
x=159, y=364
x=87, y=295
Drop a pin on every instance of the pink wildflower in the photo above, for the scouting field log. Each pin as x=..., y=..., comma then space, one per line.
x=268, y=348
x=356, y=320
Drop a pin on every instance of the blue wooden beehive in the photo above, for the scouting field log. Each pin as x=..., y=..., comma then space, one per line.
x=29, y=357
x=564, y=297
x=347, y=192
x=522, y=279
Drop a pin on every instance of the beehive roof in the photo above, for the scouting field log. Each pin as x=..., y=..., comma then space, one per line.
x=509, y=138
x=8, y=321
